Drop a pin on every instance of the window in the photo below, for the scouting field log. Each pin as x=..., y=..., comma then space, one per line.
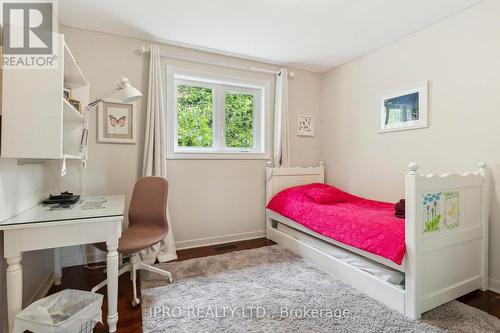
x=216, y=117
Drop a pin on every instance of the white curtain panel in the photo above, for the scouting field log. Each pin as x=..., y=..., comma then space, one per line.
x=281, y=121
x=155, y=155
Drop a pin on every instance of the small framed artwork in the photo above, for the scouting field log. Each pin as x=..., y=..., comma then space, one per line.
x=76, y=104
x=404, y=109
x=452, y=209
x=67, y=94
x=116, y=123
x=305, y=125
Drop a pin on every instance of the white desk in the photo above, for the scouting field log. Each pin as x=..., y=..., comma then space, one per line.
x=42, y=228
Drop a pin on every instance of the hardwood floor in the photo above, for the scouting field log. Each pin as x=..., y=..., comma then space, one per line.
x=130, y=319
x=488, y=301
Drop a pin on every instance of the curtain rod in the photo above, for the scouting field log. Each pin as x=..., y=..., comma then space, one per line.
x=142, y=50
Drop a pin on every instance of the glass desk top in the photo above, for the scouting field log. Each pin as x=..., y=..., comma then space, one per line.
x=85, y=208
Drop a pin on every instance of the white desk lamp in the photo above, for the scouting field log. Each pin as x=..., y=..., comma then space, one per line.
x=123, y=92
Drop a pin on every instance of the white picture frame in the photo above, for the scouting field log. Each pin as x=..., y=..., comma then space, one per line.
x=305, y=125
x=410, y=109
x=116, y=122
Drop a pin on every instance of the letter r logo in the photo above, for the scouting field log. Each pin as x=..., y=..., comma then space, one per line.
x=27, y=28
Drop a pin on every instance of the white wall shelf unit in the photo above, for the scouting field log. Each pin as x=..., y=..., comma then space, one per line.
x=74, y=157
x=73, y=75
x=70, y=113
x=37, y=121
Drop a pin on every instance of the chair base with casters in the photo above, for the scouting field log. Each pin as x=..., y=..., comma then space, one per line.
x=132, y=267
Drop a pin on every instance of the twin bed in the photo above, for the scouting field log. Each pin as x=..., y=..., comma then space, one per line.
x=437, y=253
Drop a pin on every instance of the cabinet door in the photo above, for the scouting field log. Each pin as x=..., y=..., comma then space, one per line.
x=32, y=121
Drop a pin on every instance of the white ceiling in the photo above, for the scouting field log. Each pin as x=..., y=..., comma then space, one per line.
x=315, y=35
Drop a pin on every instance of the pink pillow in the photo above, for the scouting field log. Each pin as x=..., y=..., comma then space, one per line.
x=327, y=195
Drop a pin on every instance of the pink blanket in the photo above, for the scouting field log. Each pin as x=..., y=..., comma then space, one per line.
x=365, y=224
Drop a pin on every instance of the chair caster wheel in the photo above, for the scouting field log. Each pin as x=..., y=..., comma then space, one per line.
x=135, y=302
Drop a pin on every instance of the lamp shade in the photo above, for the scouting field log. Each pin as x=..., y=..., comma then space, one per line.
x=125, y=92
x=128, y=94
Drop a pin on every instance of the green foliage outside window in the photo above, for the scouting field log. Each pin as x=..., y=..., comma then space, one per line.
x=194, y=116
x=239, y=120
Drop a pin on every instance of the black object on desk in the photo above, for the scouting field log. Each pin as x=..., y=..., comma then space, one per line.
x=63, y=199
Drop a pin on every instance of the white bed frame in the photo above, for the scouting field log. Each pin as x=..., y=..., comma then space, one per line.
x=439, y=266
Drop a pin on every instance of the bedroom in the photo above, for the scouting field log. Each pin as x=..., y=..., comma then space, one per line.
x=344, y=61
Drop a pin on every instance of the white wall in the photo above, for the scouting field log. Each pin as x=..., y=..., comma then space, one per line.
x=460, y=56
x=211, y=201
x=22, y=187
x=304, y=99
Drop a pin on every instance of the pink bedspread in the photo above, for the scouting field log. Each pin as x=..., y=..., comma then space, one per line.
x=365, y=224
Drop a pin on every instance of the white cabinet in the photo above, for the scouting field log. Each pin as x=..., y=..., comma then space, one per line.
x=37, y=122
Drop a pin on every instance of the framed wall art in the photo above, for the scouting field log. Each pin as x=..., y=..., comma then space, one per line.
x=404, y=109
x=76, y=104
x=305, y=125
x=116, y=123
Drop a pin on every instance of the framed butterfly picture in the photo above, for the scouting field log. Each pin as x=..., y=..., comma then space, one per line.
x=116, y=123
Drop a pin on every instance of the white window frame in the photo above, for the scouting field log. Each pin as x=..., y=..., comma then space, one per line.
x=220, y=84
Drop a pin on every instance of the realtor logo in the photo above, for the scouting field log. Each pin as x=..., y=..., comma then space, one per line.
x=27, y=28
x=29, y=41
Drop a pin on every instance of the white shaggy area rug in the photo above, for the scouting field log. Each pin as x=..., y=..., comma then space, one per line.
x=269, y=289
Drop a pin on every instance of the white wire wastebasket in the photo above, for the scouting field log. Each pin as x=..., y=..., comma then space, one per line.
x=67, y=311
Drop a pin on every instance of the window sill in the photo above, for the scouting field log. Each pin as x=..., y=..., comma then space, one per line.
x=216, y=156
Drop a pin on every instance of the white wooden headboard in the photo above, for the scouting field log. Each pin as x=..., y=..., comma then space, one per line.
x=278, y=179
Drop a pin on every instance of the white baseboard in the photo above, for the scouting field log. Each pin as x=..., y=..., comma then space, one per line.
x=187, y=244
x=494, y=285
x=73, y=257
x=43, y=288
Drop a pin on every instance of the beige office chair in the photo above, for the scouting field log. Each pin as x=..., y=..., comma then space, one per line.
x=148, y=225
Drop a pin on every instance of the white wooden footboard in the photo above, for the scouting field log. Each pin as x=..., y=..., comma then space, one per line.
x=446, y=237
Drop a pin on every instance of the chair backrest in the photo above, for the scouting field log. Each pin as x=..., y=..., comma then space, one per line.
x=148, y=206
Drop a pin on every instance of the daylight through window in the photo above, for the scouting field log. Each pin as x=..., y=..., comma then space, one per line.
x=215, y=118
